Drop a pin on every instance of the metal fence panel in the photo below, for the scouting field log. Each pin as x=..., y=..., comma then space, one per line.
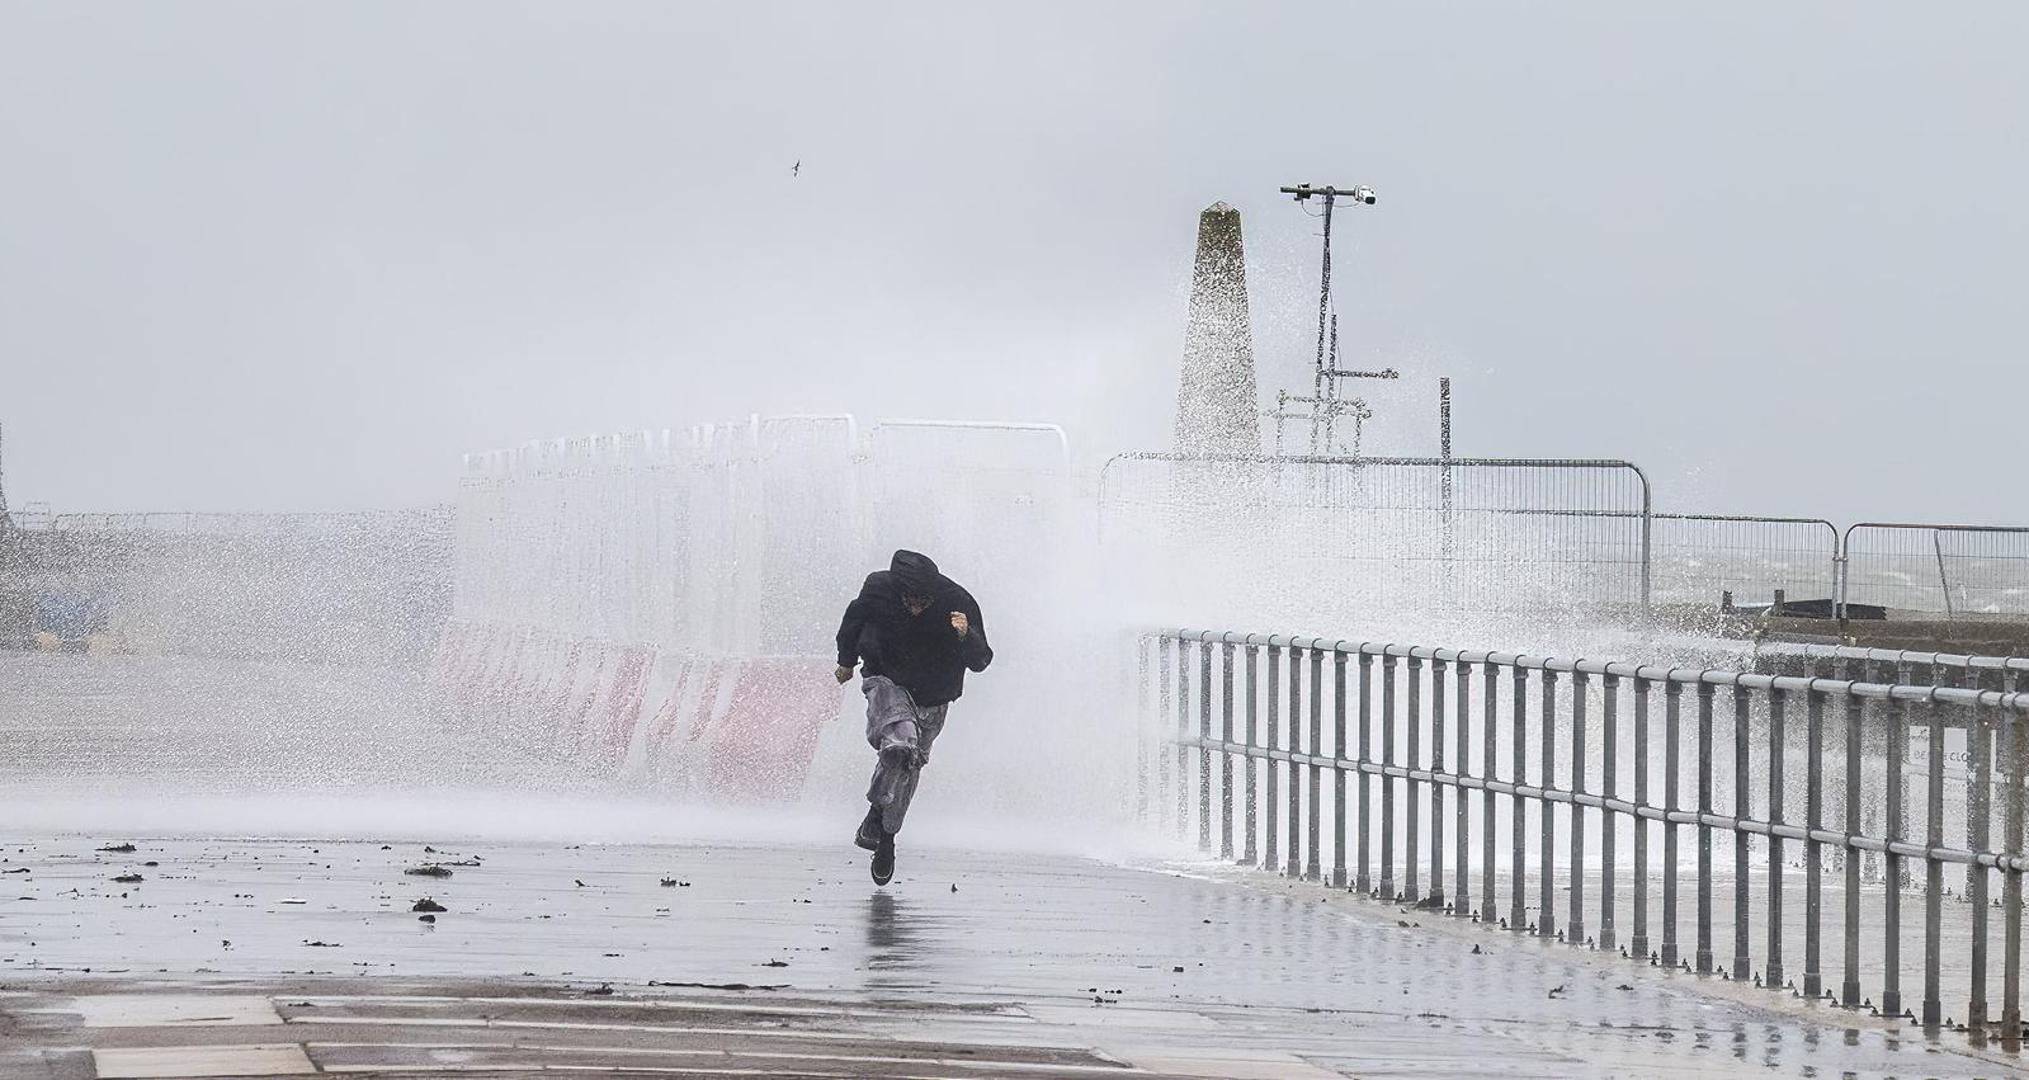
x=1959, y=571
x=1479, y=533
x=1700, y=557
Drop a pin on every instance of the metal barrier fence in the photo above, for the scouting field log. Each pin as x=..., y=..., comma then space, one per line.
x=1699, y=557
x=724, y=537
x=1626, y=772
x=1963, y=571
x=1480, y=532
x=1493, y=532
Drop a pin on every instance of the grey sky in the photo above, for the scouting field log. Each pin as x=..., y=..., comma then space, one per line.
x=270, y=255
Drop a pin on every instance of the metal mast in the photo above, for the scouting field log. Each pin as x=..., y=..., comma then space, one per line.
x=1326, y=402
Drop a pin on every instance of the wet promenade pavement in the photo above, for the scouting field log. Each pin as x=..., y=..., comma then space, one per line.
x=232, y=957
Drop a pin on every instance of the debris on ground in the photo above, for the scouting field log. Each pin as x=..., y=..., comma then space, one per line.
x=426, y=918
x=604, y=990
x=119, y=849
x=128, y=879
x=432, y=870
x=776, y=963
x=720, y=986
x=322, y=945
x=428, y=904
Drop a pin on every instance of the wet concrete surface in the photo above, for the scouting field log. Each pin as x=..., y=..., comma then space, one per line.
x=266, y=957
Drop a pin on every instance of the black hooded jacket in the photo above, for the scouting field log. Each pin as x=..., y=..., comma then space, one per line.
x=921, y=653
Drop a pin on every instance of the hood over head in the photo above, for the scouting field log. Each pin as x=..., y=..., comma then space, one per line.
x=915, y=572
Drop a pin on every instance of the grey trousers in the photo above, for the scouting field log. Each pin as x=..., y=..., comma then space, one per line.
x=901, y=732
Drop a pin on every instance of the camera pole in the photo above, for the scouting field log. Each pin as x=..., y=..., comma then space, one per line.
x=1325, y=404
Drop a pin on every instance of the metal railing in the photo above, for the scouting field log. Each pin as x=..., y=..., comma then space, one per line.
x=1900, y=666
x=1379, y=748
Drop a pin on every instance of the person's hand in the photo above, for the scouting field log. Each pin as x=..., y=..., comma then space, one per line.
x=960, y=623
x=844, y=673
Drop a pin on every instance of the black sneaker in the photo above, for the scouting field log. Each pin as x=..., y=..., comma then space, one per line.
x=870, y=832
x=884, y=859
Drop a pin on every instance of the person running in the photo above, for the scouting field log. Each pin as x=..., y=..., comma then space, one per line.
x=913, y=633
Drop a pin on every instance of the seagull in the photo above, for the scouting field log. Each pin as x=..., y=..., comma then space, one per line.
x=796, y=168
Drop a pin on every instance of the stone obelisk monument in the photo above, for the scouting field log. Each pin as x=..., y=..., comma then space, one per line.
x=1217, y=412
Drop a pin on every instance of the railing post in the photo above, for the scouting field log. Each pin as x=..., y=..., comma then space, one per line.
x=1436, y=891
x=1518, y=831
x=1574, y=930
x=1704, y=954
x=1489, y=692
x=1743, y=877
x=1366, y=881
x=1773, y=967
x=1461, y=898
x=1978, y=835
x=1412, y=794
x=1295, y=745
x=1387, y=781
x=1314, y=871
x=1933, y=870
x=1814, y=864
x=1639, y=946
x=1673, y=694
x=1339, y=770
x=1250, y=651
x=1891, y=898
x=1204, y=745
x=1172, y=760
x=1609, y=749
x=1546, y=919
x=1226, y=736
x=1148, y=751
x=2015, y=753
x=1849, y=990
x=1271, y=782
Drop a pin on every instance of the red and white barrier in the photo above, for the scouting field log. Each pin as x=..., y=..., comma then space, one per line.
x=727, y=727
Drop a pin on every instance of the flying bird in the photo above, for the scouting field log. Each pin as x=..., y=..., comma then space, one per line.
x=797, y=168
